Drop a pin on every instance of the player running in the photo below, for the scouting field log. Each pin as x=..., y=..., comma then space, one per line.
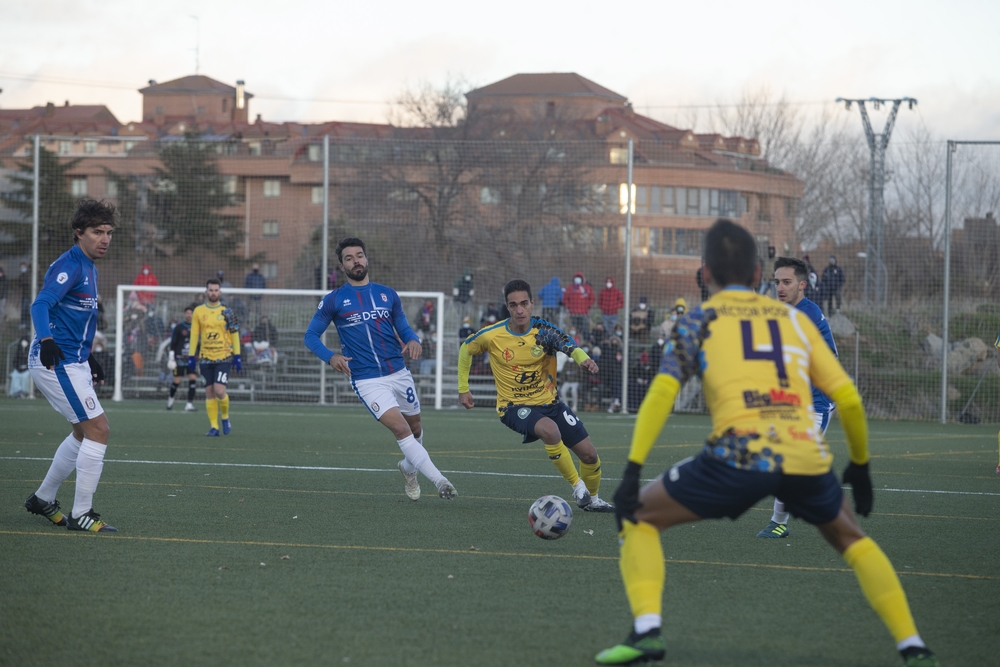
x=522, y=353
x=791, y=276
x=757, y=359
x=65, y=319
x=370, y=322
x=215, y=339
x=177, y=362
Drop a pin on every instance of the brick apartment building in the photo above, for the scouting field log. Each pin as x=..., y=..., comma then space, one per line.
x=683, y=180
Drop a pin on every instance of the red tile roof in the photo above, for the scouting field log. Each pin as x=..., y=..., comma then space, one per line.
x=554, y=84
x=196, y=83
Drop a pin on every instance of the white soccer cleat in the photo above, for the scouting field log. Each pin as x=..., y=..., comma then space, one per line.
x=446, y=490
x=189, y=407
x=581, y=495
x=170, y=403
x=598, y=505
x=412, y=487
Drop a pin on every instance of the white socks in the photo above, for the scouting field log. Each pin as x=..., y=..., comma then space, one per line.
x=912, y=640
x=417, y=458
x=780, y=515
x=89, y=464
x=646, y=622
x=63, y=463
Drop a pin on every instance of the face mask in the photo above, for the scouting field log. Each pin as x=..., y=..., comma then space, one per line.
x=618, y=332
x=572, y=333
x=577, y=281
x=24, y=270
x=468, y=278
x=609, y=285
x=660, y=342
x=145, y=272
x=24, y=343
x=642, y=306
x=618, y=357
x=673, y=317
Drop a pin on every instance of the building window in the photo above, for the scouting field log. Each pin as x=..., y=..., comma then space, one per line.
x=489, y=196
x=641, y=201
x=78, y=187
x=315, y=152
x=225, y=105
x=667, y=203
x=272, y=188
x=317, y=194
x=65, y=147
x=230, y=184
x=763, y=208
x=201, y=111
x=129, y=145
x=90, y=147
x=254, y=147
x=791, y=209
x=692, y=201
x=270, y=270
x=550, y=109
x=111, y=188
x=159, y=110
x=688, y=242
x=655, y=195
x=269, y=230
x=619, y=156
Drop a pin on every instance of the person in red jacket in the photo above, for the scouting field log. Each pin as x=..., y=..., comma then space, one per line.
x=610, y=301
x=578, y=299
x=146, y=277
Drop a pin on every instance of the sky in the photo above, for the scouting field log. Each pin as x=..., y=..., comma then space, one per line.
x=315, y=61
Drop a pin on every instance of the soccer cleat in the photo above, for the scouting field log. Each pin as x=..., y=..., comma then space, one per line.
x=189, y=407
x=90, y=522
x=581, y=495
x=598, y=505
x=50, y=511
x=412, y=487
x=213, y=432
x=226, y=427
x=998, y=470
x=446, y=490
x=170, y=403
x=775, y=531
x=919, y=656
x=636, y=648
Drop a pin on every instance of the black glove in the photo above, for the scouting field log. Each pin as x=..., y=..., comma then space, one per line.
x=96, y=370
x=627, y=495
x=50, y=354
x=861, y=483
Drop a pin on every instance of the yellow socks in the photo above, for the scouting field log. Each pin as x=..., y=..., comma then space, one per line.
x=642, y=567
x=212, y=408
x=881, y=586
x=224, y=405
x=591, y=475
x=563, y=461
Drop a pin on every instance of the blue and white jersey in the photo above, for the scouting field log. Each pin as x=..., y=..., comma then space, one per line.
x=821, y=402
x=368, y=320
x=66, y=307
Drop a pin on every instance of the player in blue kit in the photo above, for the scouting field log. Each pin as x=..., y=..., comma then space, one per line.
x=791, y=276
x=65, y=319
x=370, y=322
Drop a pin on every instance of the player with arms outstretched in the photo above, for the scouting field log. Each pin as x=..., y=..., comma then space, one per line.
x=177, y=362
x=757, y=359
x=370, y=322
x=522, y=353
x=791, y=276
x=215, y=339
x=65, y=319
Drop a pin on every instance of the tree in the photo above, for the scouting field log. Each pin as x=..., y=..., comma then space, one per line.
x=55, y=207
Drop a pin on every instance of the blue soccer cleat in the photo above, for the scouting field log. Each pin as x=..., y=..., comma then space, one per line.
x=226, y=427
x=213, y=432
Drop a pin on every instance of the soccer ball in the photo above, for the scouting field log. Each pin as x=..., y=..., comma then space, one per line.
x=550, y=517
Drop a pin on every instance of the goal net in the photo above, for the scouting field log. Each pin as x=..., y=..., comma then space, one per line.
x=277, y=367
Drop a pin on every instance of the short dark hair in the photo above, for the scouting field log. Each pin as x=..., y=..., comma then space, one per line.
x=213, y=281
x=93, y=213
x=191, y=306
x=800, y=268
x=516, y=285
x=730, y=254
x=349, y=242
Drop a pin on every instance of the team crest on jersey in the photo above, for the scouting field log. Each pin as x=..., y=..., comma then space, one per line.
x=89, y=402
x=508, y=354
x=523, y=413
x=537, y=351
x=384, y=298
x=374, y=407
x=62, y=277
x=320, y=306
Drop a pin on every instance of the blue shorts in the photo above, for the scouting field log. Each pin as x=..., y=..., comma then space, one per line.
x=522, y=418
x=712, y=489
x=216, y=372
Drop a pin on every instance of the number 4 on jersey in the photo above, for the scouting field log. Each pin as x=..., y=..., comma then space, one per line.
x=775, y=354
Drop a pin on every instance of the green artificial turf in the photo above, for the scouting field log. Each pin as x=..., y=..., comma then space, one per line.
x=299, y=548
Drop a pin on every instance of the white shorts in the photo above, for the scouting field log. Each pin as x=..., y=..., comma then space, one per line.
x=392, y=391
x=70, y=390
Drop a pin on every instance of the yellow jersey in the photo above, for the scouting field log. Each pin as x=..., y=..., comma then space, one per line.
x=524, y=365
x=215, y=333
x=758, y=360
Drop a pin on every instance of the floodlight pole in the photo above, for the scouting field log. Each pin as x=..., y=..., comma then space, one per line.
x=324, y=285
x=35, y=222
x=947, y=283
x=876, y=275
x=628, y=279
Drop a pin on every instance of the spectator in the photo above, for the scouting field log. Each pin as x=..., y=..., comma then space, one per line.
x=598, y=335
x=490, y=316
x=3, y=296
x=570, y=377
x=463, y=291
x=813, y=288
x=768, y=286
x=24, y=282
x=425, y=318
x=702, y=285
x=19, y=378
x=832, y=281
x=578, y=299
x=264, y=340
x=221, y=275
x=611, y=368
x=641, y=320
x=610, y=301
x=146, y=277
x=640, y=376
x=667, y=327
x=466, y=329
x=591, y=387
x=809, y=266
x=255, y=280
x=428, y=352
x=551, y=296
